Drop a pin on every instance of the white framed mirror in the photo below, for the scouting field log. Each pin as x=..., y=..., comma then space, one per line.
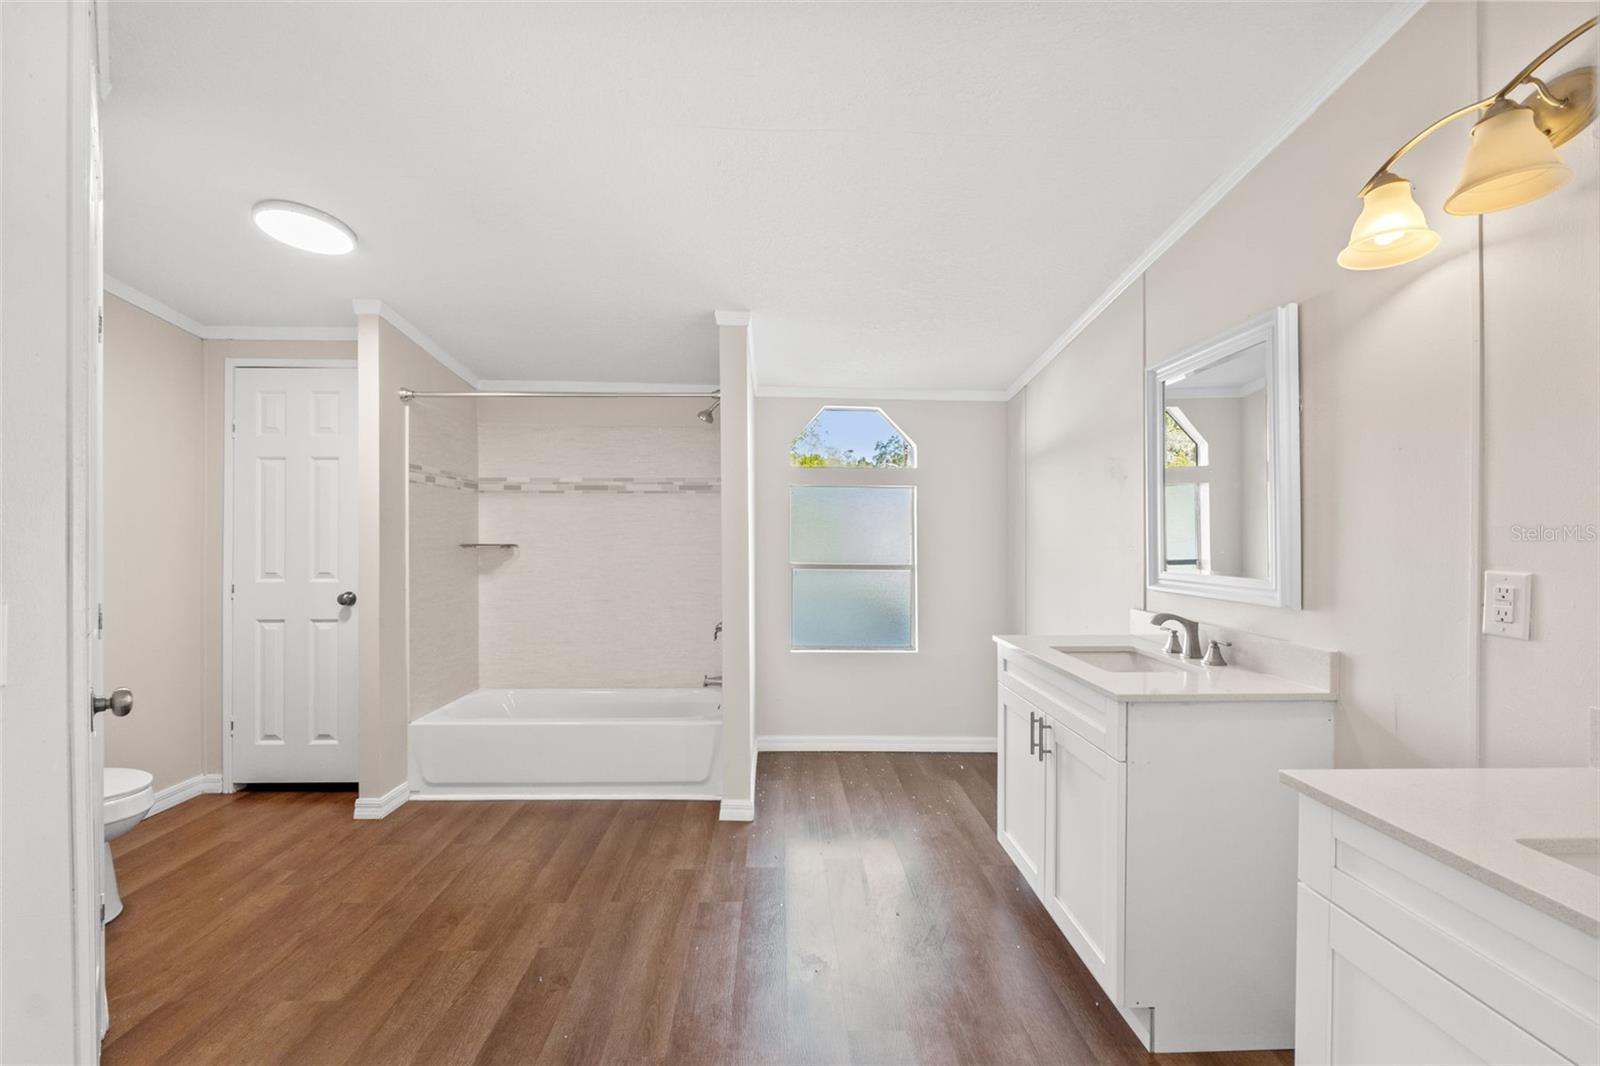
x=1222, y=465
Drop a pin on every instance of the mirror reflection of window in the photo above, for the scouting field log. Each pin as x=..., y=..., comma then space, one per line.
x=1216, y=476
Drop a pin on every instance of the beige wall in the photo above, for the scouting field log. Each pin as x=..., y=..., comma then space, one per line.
x=443, y=607
x=607, y=588
x=738, y=561
x=387, y=360
x=154, y=493
x=1541, y=420
x=1394, y=500
x=166, y=440
x=946, y=687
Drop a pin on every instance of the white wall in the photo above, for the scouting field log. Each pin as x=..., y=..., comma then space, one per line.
x=1395, y=504
x=616, y=581
x=946, y=687
x=46, y=972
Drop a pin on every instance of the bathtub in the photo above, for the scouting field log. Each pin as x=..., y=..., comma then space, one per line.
x=593, y=743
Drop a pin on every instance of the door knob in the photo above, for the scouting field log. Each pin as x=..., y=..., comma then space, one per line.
x=347, y=599
x=119, y=703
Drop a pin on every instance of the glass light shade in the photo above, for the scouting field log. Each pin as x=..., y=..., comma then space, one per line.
x=1510, y=162
x=1390, y=230
x=303, y=227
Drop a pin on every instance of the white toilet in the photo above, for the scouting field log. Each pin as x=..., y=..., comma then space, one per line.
x=128, y=796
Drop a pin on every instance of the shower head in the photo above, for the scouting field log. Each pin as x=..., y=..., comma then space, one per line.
x=709, y=415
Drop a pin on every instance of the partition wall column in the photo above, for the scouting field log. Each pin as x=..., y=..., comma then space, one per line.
x=738, y=560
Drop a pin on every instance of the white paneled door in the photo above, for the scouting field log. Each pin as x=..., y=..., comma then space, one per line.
x=293, y=580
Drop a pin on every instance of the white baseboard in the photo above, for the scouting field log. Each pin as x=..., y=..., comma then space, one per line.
x=738, y=811
x=384, y=805
x=169, y=797
x=873, y=743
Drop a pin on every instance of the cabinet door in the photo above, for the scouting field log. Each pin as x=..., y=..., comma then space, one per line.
x=1084, y=856
x=1020, y=803
x=1361, y=999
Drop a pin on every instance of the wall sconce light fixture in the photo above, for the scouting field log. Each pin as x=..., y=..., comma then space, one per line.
x=1511, y=161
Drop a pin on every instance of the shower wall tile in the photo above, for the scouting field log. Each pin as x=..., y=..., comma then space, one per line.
x=616, y=578
x=443, y=586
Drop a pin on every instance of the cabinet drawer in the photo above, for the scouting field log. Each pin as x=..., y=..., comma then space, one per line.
x=1097, y=718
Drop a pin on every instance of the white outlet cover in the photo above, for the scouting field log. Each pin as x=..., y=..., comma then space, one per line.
x=1507, y=603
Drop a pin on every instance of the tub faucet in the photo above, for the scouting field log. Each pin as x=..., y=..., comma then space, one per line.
x=1191, y=634
x=717, y=632
x=711, y=681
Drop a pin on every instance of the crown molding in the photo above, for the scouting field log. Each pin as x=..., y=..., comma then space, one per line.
x=145, y=302
x=732, y=318
x=509, y=385
x=417, y=337
x=787, y=392
x=1352, y=61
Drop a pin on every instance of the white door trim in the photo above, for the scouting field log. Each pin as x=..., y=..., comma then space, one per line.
x=230, y=366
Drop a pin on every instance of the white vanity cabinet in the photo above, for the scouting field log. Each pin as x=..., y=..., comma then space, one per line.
x=1410, y=957
x=1157, y=836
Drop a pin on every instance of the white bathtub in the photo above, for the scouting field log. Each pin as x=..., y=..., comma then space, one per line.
x=533, y=743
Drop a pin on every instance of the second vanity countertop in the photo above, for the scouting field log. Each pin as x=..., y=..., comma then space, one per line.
x=1481, y=822
x=1190, y=681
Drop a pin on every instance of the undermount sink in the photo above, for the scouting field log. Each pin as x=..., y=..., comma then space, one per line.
x=1120, y=660
x=1581, y=852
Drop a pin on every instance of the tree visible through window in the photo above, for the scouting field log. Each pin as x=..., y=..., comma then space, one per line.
x=852, y=437
x=1182, y=449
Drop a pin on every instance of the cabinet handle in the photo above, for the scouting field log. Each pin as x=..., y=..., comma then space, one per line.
x=1033, y=732
x=1043, y=751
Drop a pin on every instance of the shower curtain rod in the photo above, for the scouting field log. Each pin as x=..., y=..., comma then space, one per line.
x=411, y=394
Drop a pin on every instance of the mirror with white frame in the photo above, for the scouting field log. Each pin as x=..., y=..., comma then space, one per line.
x=1222, y=466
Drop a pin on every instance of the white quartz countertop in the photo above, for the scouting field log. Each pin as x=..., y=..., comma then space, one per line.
x=1189, y=682
x=1473, y=821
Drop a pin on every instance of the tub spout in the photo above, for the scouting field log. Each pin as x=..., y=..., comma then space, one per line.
x=711, y=681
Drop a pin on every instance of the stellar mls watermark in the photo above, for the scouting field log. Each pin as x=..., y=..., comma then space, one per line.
x=1540, y=533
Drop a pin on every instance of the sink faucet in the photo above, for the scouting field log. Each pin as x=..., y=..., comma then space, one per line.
x=1191, y=633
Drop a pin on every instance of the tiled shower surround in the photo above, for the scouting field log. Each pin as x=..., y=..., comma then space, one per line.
x=614, y=508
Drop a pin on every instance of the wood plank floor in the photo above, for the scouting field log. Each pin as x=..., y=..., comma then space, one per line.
x=868, y=916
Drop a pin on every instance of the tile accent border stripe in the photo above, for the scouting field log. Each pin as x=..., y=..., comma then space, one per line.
x=569, y=486
x=637, y=486
x=427, y=475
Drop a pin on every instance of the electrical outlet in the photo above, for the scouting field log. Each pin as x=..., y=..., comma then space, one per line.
x=1507, y=604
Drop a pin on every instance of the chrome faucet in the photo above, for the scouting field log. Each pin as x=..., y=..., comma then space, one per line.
x=1191, y=634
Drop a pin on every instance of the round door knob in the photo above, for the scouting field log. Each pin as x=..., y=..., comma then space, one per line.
x=347, y=599
x=119, y=703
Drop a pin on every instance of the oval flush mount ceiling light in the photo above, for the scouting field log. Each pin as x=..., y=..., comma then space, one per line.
x=303, y=227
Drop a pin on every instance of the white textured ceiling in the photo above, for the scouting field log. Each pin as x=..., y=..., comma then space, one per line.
x=905, y=196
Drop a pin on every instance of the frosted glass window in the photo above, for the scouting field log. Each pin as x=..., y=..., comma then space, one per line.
x=852, y=552
x=1183, y=527
x=859, y=525
x=852, y=609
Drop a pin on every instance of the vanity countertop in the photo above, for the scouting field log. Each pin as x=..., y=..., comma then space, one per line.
x=1476, y=820
x=1188, y=682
